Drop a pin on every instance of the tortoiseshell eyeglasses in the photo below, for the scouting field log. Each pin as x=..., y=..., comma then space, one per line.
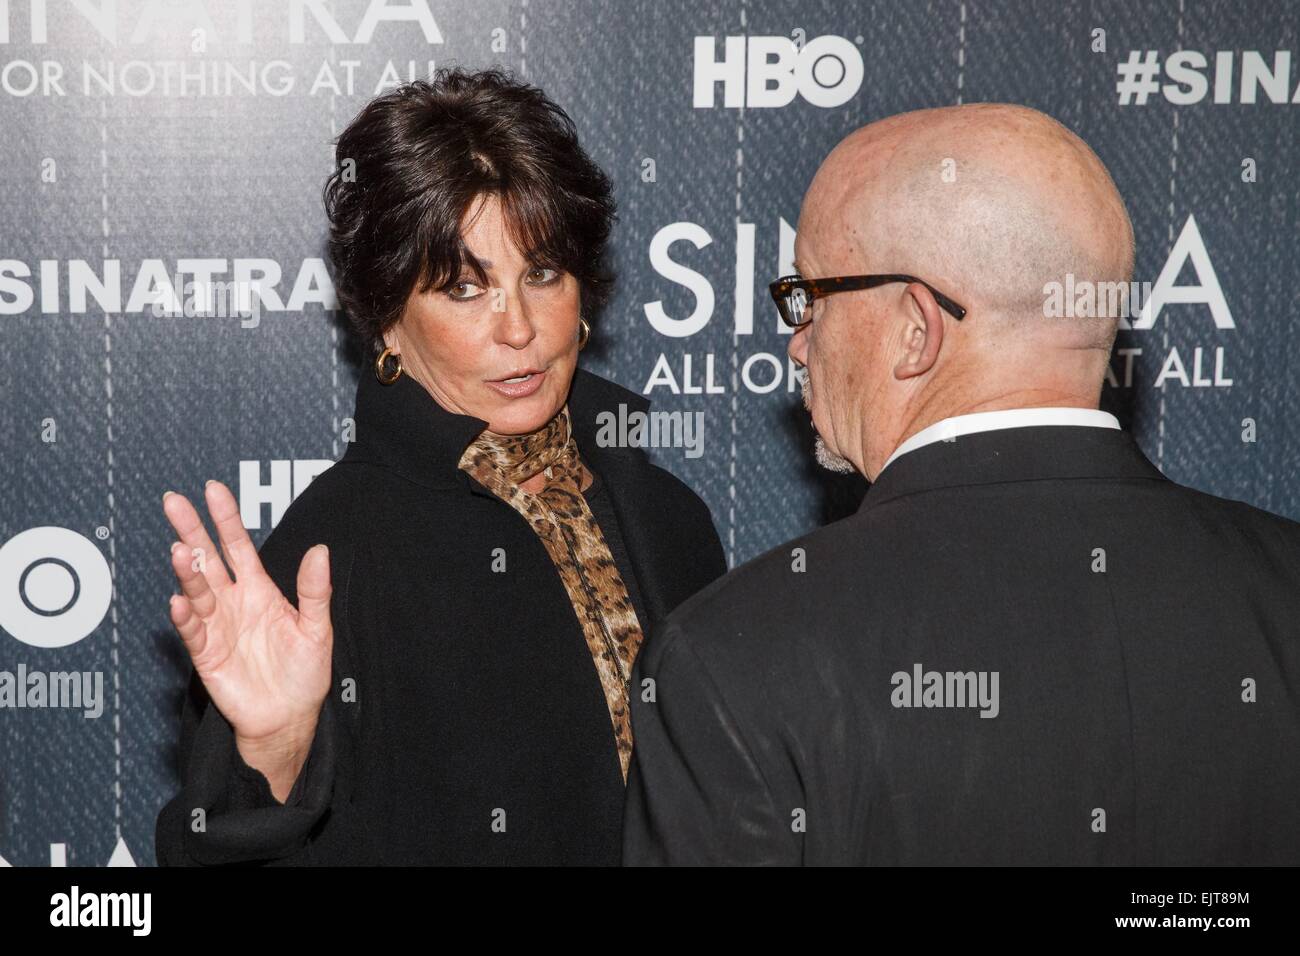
x=794, y=294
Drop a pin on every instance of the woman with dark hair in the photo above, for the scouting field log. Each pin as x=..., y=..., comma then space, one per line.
x=429, y=659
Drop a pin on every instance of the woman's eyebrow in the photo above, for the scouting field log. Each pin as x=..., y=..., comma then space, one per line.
x=487, y=263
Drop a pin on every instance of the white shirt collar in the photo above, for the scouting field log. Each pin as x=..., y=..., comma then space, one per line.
x=951, y=428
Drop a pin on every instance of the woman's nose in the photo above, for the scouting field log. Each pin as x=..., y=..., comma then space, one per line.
x=515, y=325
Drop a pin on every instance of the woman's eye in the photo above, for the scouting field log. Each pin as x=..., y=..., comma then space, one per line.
x=464, y=290
x=541, y=276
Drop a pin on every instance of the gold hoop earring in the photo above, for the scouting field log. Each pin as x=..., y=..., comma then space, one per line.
x=584, y=333
x=380, y=374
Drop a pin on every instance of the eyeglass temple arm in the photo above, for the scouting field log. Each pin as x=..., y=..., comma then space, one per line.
x=945, y=303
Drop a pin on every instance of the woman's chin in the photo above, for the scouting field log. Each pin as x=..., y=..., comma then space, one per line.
x=523, y=415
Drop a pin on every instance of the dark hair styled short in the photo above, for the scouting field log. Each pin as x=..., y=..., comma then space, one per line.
x=422, y=154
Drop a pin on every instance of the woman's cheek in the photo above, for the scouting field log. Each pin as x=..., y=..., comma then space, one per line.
x=564, y=313
x=470, y=337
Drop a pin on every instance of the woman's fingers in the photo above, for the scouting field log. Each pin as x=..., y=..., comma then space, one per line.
x=235, y=542
x=188, y=625
x=193, y=583
x=314, y=591
x=189, y=528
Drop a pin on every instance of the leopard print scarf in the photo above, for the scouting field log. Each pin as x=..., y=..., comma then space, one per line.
x=559, y=515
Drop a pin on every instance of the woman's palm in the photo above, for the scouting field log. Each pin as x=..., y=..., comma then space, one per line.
x=265, y=664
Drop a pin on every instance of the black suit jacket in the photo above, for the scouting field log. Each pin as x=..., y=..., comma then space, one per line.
x=466, y=722
x=1146, y=639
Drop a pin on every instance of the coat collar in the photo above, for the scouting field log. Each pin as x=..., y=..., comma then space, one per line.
x=972, y=422
x=403, y=428
x=1013, y=454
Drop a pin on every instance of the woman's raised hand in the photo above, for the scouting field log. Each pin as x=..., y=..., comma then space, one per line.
x=265, y=664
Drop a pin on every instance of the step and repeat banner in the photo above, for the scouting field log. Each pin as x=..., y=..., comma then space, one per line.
x=146, y=144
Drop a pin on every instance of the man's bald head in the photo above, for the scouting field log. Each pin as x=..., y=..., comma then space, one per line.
x=988, y=203
x=997, y=199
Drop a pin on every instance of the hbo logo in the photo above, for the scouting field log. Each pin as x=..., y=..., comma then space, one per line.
x=771, y=71
x=55, y=587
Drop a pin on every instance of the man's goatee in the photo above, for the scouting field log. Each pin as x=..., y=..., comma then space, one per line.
x=825, y=457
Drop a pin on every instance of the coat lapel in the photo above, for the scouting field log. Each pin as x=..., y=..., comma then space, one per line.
x=626, y=475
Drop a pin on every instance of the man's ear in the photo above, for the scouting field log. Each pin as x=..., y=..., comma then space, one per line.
x=923, y=332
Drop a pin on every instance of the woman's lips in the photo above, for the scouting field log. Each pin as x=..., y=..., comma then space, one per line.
x=520, y=389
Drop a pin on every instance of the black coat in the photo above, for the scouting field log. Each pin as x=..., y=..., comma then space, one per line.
x=476, y=700
x=775, y=738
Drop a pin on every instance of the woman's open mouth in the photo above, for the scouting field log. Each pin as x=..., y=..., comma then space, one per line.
x=520, y=384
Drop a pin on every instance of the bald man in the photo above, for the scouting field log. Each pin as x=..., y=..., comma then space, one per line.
x=1027, y=646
